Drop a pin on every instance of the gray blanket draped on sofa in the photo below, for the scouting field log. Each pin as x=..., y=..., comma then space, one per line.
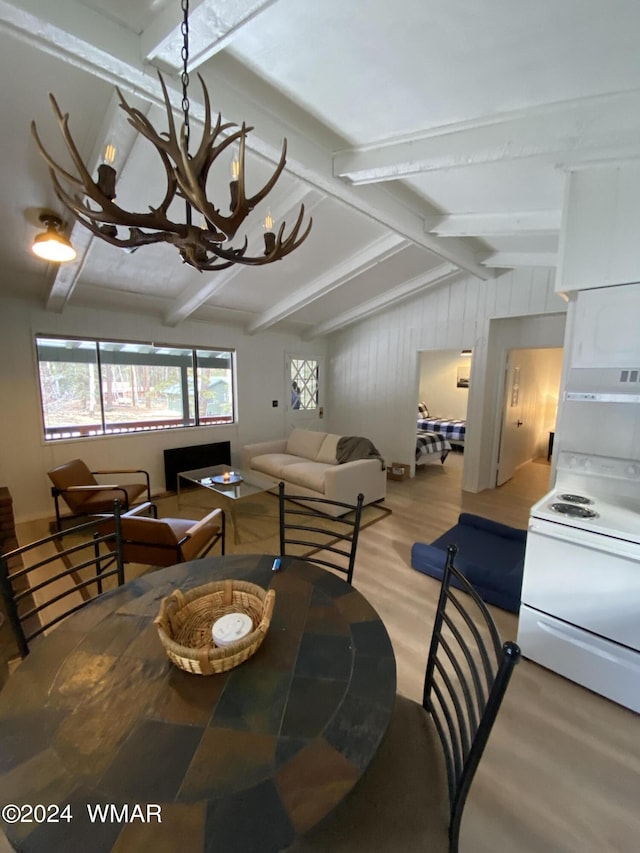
x=352, y=447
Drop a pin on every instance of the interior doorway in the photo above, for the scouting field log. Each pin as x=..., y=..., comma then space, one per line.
x=444, y=378
x=530, y=391
x=443, y=382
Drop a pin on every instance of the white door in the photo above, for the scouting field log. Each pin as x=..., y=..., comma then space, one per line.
x=517, y=409
x=529, y=407
x=304, y=377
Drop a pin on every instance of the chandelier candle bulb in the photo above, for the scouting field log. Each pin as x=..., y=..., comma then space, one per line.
x=233, y=188
x=269, y=242
x=107, y=174
x=269, y=236
x=107, y=181
x=233, y=185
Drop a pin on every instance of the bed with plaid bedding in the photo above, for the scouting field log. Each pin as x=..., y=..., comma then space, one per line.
x=428, y=443
x=450, y=429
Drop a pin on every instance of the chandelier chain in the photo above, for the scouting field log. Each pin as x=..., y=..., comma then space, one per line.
x=184, y=28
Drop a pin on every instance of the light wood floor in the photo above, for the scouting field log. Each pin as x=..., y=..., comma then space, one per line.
x=561, y=773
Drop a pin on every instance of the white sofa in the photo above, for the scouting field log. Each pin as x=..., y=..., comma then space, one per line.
x=306, y=463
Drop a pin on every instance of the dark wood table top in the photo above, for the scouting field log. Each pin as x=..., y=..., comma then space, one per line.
x=96, y=715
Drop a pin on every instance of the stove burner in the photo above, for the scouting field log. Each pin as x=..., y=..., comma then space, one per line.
x=573, y=511
x=576, y=499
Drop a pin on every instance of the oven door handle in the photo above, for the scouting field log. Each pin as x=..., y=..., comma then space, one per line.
x=590, y=540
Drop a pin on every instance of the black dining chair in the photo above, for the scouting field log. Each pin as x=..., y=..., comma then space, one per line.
x=322, y=538
x=47, y=580
x=413, y=795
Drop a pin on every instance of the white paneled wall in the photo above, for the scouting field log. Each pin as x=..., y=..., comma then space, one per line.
x=374, y=365
x=24, y=456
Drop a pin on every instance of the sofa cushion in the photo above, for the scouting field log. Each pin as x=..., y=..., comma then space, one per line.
x=273, y=464
x=328, y=449
x=305, y=443
x=310, y=475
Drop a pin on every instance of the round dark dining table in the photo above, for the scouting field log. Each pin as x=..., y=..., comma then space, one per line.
x=105, y=745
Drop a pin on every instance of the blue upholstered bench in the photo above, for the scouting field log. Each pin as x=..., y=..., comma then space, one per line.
x=490, y=555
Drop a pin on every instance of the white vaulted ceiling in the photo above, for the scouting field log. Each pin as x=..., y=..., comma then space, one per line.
x=426, y=139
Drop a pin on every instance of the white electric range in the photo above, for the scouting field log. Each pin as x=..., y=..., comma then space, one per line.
x=580, y=613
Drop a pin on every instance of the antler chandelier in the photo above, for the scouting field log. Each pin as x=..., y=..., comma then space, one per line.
x=205, y=248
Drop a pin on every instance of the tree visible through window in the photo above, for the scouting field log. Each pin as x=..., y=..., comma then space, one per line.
x=304, y=383
x=93, y=388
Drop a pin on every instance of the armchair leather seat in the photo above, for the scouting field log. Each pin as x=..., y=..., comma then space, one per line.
x=85, y=496
x=167, y=541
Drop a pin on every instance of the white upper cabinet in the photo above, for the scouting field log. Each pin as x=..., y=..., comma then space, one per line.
x=600, y=235
x=607, y=328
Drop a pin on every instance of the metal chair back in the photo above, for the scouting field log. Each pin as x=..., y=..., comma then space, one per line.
x=468, y=670
x=47, y=580
x=332, y=541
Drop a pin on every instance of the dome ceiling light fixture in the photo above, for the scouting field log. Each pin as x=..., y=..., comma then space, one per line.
x=52, y=245
x=205, y=248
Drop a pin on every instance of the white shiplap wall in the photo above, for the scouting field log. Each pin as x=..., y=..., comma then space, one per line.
x=373, y=366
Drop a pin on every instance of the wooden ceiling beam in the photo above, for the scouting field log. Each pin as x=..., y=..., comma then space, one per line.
x=495, y=224
x=434, y=278
x=213, y=24
x=554, y=131
x=358, y=263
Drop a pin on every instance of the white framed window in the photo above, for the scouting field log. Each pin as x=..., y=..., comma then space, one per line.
x=92, y=388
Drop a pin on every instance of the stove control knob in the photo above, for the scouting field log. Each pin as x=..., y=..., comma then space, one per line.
x=634, y=470
x=587, y=464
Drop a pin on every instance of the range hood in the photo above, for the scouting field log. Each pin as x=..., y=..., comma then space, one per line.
x=603, y=384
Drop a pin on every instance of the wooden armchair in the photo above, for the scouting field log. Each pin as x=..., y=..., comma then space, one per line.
x=85, y=496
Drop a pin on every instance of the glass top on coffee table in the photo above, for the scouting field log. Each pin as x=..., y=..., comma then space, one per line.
x=241, y=483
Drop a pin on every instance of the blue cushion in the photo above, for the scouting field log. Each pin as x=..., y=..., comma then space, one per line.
x=489, y=526
x=490, y=555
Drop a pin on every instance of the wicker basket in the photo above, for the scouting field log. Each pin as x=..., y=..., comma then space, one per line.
x=186, y=618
